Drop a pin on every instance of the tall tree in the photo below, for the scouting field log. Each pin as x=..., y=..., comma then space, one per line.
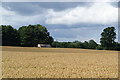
x=108, y=37
x=10, y=36
x=32, y=35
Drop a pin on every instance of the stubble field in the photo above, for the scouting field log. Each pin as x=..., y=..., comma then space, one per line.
x=19, y=62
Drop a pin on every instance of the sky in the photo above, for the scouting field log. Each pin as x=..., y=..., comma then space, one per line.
x=66, y=21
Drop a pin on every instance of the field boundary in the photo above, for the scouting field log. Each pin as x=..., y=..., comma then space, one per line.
x=60, y=79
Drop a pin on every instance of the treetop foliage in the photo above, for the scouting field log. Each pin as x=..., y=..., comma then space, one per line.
x=30, y=35
x=108, y=37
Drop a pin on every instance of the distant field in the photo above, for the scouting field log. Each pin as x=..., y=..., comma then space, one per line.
x=19, y=62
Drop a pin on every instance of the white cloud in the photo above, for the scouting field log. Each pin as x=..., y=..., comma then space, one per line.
x=14, y=19
x=98, y=13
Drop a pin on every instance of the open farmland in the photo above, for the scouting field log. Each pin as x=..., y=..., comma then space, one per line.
x=19, y=62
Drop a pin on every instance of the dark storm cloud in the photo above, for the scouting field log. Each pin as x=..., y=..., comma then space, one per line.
x=33, y=8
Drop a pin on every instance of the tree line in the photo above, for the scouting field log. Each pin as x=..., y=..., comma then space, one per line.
x=29, y=35
x=91, y=44
x=32, y=35
x=107, y=42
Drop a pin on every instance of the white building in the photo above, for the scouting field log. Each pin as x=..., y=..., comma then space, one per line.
x=44, y=45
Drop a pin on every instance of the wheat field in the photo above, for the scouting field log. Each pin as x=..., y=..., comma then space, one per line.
x=32, y=62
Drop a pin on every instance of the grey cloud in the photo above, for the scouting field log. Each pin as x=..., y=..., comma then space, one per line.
x=32, y=8
x=58, y=6
x=23, y=8
x=80, y=25
x=115, y=4
x=80, y=34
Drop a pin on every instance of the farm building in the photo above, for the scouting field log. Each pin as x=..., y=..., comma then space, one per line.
x=44, y=45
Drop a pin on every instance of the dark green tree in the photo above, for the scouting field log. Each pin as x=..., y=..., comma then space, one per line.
x=32, y=35
x=10, y=36
x=78, y=44
x=85, y=45
x=92, y=44
x=108, y=37
x=117, y=46
x=71, y=45
x=55, y=44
